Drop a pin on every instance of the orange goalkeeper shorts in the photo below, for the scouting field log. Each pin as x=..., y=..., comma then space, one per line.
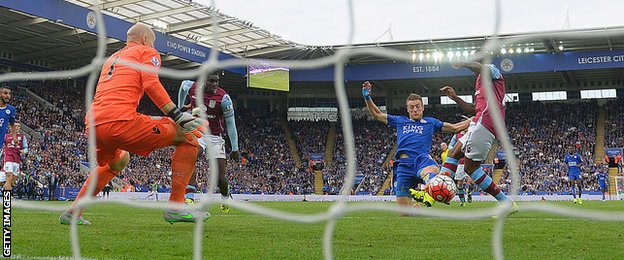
x=140, y=136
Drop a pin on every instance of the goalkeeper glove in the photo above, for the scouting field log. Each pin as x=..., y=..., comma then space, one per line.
x=189, y=124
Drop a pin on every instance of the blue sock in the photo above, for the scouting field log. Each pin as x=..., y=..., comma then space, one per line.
x=486, y=184
x=460, y=193
x=427, y=176
x=573, y=191
x=580, y=187
x=450, y=165
x=190, y=192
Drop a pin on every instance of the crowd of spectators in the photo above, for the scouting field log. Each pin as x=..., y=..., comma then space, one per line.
x=373, y=142
x=540, y=133
x=614, y=135
x=267, y=166
x=310, y=136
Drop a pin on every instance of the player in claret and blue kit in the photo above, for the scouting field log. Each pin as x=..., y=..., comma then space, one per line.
x=7, y=118
x=219, y=111
x=573, y=161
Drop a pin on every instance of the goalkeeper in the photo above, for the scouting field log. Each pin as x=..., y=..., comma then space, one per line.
x=120, y=130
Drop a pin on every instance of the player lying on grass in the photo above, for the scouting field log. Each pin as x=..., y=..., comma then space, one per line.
x=413, y=163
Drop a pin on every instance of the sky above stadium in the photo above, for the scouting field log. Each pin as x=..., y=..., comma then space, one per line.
x=326, y=22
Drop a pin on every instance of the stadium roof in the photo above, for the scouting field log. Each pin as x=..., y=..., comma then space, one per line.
x=52, y=44
x=195, y=22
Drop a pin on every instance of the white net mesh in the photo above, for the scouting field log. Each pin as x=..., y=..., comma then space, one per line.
x=339, y=208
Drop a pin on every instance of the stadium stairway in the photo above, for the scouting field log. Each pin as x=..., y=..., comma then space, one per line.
x=599, y=152
x=318, y=182
x=388, y=179
x=330, y=146
x=497, y=175
x=613, y=172
x=492, y=153
x=292, y=145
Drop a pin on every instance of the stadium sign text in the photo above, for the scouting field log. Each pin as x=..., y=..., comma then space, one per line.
x=600, y=59
x=6, y=223
x=419, y=69
x=186, y=49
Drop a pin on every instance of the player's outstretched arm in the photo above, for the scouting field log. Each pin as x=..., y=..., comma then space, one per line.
x=183, y=92
x=457, y=127
x=230, y=124
x=372, y=108
x=473, y=66
x=24, y=150
x=467, y=107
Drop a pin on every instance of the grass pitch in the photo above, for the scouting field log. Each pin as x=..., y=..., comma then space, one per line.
x=122, y=232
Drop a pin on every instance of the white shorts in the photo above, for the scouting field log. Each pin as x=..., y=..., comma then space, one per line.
x=460, y=174
x=11, y=167
x=216, y=145
x=477, y=142
x=2, y=177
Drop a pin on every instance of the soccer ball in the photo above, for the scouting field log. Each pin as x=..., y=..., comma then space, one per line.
x=442, y=188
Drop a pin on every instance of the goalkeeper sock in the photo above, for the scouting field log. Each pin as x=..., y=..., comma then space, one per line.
x=104, y=176
x=486, y=184
x=190, y=192
x=182, y=166
x=450, y=165
x=460, y=193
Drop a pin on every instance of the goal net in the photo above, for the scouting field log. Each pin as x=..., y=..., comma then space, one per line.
x=340, y=207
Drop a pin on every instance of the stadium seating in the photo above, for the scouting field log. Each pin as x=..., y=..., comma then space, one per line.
x=541, y=140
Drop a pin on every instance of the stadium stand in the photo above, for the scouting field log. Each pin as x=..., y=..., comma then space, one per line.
x=267, y=167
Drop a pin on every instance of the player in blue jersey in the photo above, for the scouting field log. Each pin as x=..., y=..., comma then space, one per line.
x=7, y=118
x=603, y=180
x=574, y=161
x=413, y=163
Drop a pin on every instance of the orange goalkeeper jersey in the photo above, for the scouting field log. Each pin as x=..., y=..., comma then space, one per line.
x=121, y=87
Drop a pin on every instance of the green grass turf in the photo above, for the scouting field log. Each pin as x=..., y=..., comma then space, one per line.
x=276, y=80
x=122, y=232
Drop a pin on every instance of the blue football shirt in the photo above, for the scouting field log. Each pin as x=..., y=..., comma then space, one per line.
x=573, y=162
x=414, y=138
x=7, y=115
